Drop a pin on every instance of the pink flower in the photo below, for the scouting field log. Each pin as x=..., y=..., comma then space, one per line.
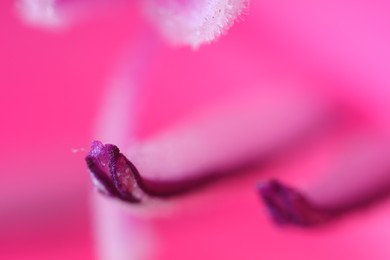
x=297, y=76
x=195, y=22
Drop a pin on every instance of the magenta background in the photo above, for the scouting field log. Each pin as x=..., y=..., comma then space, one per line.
x=51, y=85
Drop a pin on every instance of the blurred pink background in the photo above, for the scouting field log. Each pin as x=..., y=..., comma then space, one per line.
x=51, y=88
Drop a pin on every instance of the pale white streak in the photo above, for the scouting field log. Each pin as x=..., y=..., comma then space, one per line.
x=119, y=234
x=118, y=115
x=76, y=150
x=194, y=22
x=42, y=13
x=227, y=135
x=59, y=14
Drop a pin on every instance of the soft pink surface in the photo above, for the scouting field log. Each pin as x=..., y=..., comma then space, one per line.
x=51, y=85
x=228, y=222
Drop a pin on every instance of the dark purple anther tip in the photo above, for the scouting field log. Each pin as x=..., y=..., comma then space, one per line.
x=113, y=174
x=286, y=206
